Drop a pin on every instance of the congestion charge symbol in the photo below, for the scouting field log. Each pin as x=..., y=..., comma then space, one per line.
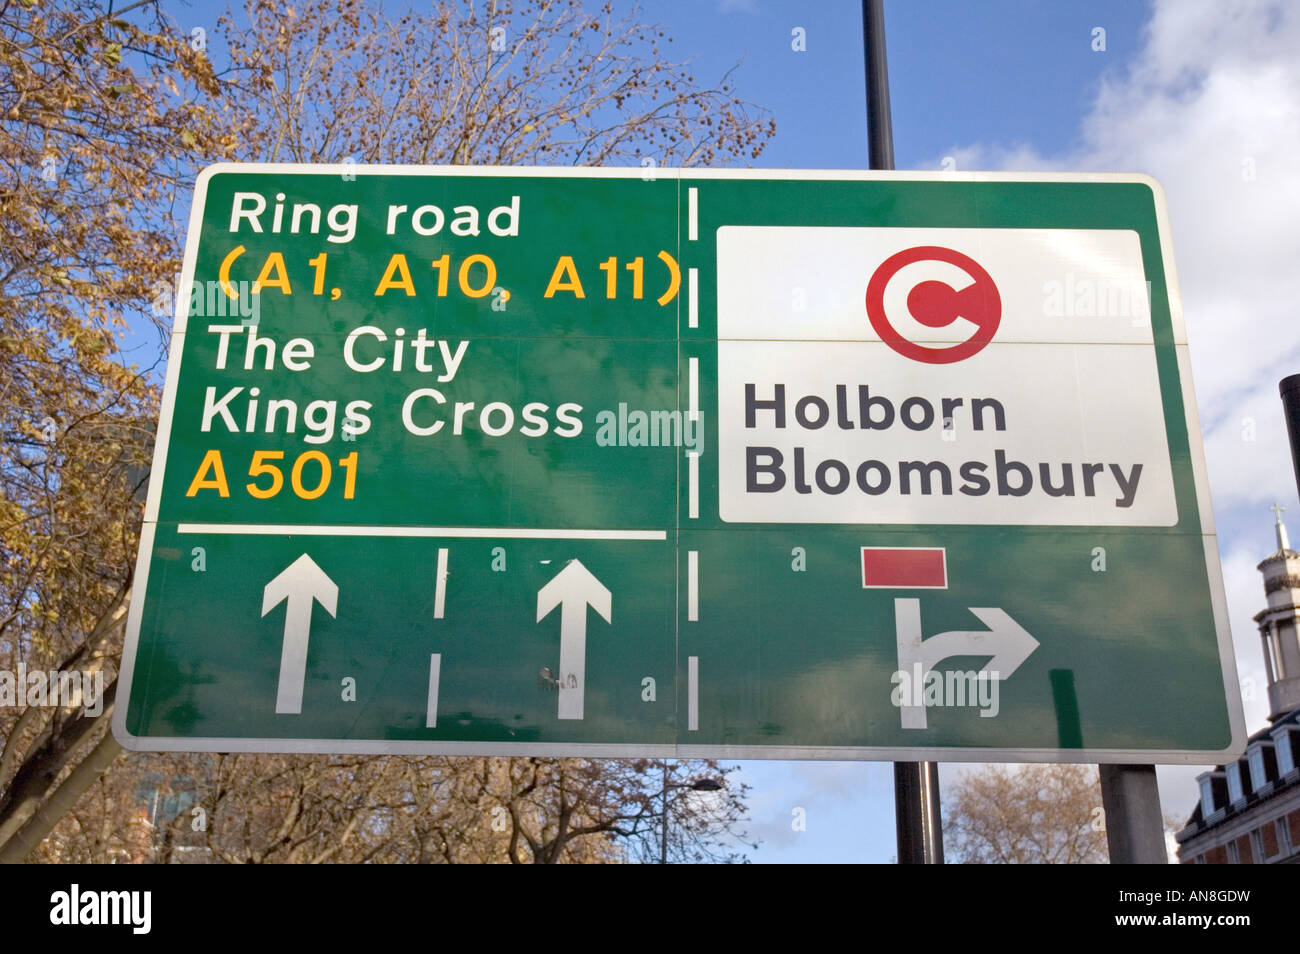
x=936, y=304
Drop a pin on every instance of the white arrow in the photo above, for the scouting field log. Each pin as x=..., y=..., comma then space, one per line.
x=1005, y=641
x=301, y=582
x=573, y=589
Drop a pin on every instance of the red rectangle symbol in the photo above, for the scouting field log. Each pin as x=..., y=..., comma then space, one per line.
x=884, y=567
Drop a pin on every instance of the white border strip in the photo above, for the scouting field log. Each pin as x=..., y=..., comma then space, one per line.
x=504, y=533
x=670, y=750
x=1195, y=442
x=685, y=174
x=435, y=675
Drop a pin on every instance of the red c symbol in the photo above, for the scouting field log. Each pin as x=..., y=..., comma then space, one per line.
x=936, y=305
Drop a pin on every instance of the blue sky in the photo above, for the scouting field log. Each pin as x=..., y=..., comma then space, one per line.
x=957, y=71
x=1202, y=94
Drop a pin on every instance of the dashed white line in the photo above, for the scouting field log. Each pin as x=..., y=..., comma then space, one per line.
x=435, y=671
x=693, y=297
x=693, y=586
x=693, y=479
x=440, y=591
x=693, y=407
x=505, y=533
x=693, y=693
x=693, y=457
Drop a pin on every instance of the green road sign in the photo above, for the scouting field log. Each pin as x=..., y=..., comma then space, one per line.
x=678, y=462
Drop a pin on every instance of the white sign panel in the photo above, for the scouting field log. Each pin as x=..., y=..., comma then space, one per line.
x=938, y=376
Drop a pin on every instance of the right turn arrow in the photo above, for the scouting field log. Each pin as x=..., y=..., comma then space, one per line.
x=1005, y=641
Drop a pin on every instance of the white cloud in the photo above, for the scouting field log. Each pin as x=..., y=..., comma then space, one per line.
x=1245, y=590
x=1211, y=108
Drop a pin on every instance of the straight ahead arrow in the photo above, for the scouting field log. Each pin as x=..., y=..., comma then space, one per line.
x=573, y=589
x=301, y=583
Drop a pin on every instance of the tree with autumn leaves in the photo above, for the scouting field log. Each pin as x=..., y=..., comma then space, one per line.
x=96, y=148
x=106, y=114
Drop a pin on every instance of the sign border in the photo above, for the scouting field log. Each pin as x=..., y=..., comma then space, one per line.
x=1218, y=598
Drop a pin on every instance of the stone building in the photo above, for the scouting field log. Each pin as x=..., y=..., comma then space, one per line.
x=1249, y=811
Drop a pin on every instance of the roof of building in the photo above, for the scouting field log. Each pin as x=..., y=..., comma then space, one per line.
x=1196, y=823
x=1277, y=556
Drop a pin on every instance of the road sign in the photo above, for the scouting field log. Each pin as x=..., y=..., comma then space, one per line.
x=678, y=462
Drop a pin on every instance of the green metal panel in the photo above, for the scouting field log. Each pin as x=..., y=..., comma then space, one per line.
x=792, y=656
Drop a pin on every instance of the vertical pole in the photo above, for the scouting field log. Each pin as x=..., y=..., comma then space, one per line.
x=1289, y=388
x=916, y=813
x=663, y=822
x=916, y=784
x=880, y=125
x=1135, y=833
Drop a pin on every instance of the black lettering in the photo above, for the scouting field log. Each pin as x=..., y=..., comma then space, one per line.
x=977, y=485
x=977, y=406
x=1004, y=467
x=753, y=405
x=800, y=485
x=1090, y=471
x=801, y=412
x=866, y=402
x=1128, y=488
x=908, y=467
x=874, y=490
x=950, y=405
x=753, y=469
x=842, y=408
x=840, y=469
x=1067, y=480
x=905, y=415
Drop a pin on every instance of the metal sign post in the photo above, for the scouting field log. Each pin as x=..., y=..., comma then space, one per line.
x=1135, y=833
x=1289, y=389
x=917, y=808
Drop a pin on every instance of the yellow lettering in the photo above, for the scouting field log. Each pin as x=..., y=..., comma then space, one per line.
x=217, y=482
x=396, y=266
x=565, y=278
x=273, y=275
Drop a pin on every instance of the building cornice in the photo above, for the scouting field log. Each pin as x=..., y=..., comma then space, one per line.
x=1281, y=610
